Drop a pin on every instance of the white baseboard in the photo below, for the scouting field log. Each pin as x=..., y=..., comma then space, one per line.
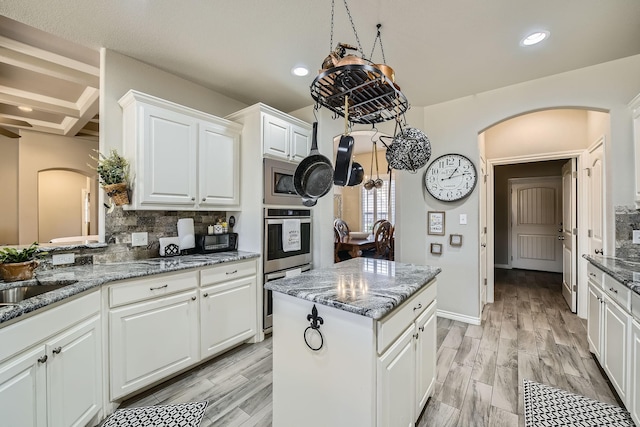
x=461, y=317
x=503, y=266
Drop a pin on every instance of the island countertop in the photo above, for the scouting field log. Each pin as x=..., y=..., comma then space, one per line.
x=81, y=278
x=365, y=286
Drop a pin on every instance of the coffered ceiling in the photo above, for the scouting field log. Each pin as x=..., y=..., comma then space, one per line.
x=440, y=50
x=57, y=80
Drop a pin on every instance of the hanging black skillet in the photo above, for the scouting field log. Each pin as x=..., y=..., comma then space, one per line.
x=343, y=156
x=312, y=178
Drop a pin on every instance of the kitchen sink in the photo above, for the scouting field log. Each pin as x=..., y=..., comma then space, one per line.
x=15, y=295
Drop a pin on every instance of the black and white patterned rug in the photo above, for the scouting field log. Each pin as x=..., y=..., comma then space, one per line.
x=549, y=406
x=179, y=415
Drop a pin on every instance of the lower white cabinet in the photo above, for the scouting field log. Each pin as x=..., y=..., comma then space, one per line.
x=594, y=316
x=634, y=385
x=425, y=362
x=615, y=337
x=58, y=381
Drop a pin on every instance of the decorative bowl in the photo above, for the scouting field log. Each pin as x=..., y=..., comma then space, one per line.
x=358, y=235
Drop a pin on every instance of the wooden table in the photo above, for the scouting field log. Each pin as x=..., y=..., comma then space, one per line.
x=356, y=246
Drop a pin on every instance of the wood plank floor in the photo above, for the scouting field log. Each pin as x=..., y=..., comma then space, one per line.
x=528, y=332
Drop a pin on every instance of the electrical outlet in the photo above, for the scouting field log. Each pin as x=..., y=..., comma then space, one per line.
x=60, y=259
x=636, y=237
x=463, y=219
x=139, y=239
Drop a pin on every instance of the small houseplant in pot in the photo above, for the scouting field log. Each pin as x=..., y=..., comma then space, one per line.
x=113, y=173
x=18, y=264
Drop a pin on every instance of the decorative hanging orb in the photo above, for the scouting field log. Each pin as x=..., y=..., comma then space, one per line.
x=410, y=150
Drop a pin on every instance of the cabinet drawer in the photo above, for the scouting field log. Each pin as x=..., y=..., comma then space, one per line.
x=618, y=292
x=226, y=272
x=594, y=274
x=151, y=287
x=391, y=326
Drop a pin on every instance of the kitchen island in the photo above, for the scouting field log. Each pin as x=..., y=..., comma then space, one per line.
x=354, y=344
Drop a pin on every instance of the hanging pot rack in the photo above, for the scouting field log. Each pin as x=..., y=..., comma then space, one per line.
x=373, y=97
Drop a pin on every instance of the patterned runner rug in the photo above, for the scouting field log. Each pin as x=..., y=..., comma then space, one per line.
x=180, y=415
x=549, y=406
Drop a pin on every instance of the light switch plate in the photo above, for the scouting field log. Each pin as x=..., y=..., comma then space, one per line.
x=60, y=259
x=636, y=237
x=463, y=219
x=139, y=239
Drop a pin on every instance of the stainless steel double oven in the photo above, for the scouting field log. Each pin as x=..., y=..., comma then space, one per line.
x=279, y=263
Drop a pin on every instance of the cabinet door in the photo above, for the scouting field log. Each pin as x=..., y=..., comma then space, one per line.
x=74, y=374
x=425, y=357
x=396, y=382
x=300, y=143
x=275, y=137
x=634, y=383
x=594, y=319
x=228, y=315
x=23, y=389
x=169, y=158
x=615, y=337
x=151, y=340
x=218, y=166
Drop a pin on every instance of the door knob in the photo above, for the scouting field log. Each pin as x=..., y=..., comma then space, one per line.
x=484, y=245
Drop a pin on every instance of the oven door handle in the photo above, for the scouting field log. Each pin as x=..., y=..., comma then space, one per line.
x=273, y=276
x=272, y=221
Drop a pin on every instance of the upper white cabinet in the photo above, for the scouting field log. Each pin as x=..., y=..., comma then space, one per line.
x=282, y=136
x=634, y=106
x=181, y=158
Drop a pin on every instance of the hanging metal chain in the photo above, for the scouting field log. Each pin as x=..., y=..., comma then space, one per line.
x=333, y=2
x=346, y=6
x=378, y=38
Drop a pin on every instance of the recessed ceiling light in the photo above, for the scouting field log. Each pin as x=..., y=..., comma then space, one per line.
x=534, y=38
x=25, y=108
x=300, y=71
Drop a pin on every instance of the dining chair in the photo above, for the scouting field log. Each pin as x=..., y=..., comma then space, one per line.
x=339, y=253
x=342, y=228
x=383, y=239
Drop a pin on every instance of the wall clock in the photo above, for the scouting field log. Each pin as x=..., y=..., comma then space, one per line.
x=450, y=177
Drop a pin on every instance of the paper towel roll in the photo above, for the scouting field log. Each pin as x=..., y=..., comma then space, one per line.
x=186, y=233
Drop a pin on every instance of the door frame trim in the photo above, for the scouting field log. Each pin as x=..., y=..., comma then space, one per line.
x=581, y=157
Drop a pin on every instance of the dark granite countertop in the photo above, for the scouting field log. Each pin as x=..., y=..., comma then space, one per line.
x=624, y=271
x=80, y=278
x=365, y=286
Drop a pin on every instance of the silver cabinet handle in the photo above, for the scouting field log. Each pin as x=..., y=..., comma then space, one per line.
x=613, y=290
x=42, y=359
x=204, y=199
x=560, y=237
x=231, y=272
x=418, y=307
x=416, y=336
x=592, y=275
x=56, y=350
x=484, y=245
x=421, y=328
x=193, y=199
x=193, y=298
x=159, y=287
x=599, y=251
x=205, y=295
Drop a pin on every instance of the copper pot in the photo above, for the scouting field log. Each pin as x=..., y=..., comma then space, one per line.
x=387, y=71
x=351, y=60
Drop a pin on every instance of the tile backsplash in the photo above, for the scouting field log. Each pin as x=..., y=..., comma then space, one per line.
x=627, y=220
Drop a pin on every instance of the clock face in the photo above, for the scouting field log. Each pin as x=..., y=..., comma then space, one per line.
x=450, y=177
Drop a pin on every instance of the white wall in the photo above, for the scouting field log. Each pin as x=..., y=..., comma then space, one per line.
x=9, y=190
x=454, y=126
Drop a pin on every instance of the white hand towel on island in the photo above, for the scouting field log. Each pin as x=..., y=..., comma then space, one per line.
x=291, y=235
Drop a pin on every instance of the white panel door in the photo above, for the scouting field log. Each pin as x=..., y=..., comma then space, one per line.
x=568, y=238
x=425, y=360
x=74, y=372
x=596, y=202
x=169, y=153
x=300, y=143
x=614, y=341
x=23, y=389
x=275, y=137
x=396, y=383
x=218, y=166
x=483, y=233
x=594, y=319
x=535, y=219
x=634, y=386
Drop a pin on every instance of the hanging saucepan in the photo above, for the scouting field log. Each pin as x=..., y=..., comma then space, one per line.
x=312, y=178
x=357, y=174
x=343, y=156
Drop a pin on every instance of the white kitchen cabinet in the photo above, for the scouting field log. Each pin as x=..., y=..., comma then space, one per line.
x=615, y=338
x=282, y=136
x=594, y=316
x=425, y=362
x=634, y=106
x=181, y=158
x=57, y=380
x=153, y=337
x=228, y=307
x=633, y=404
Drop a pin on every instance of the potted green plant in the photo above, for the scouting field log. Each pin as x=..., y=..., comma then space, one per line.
x=113, y=173
x=18, y=264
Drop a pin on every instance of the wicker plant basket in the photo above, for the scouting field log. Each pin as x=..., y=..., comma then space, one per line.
x=118, y=193
x=11, y=272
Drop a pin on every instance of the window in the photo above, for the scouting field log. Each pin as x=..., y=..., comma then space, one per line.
x=375, y=204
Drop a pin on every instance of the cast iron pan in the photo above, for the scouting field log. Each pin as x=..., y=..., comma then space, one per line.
x=343, y=161
x=312, y=178
x=357, y=174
